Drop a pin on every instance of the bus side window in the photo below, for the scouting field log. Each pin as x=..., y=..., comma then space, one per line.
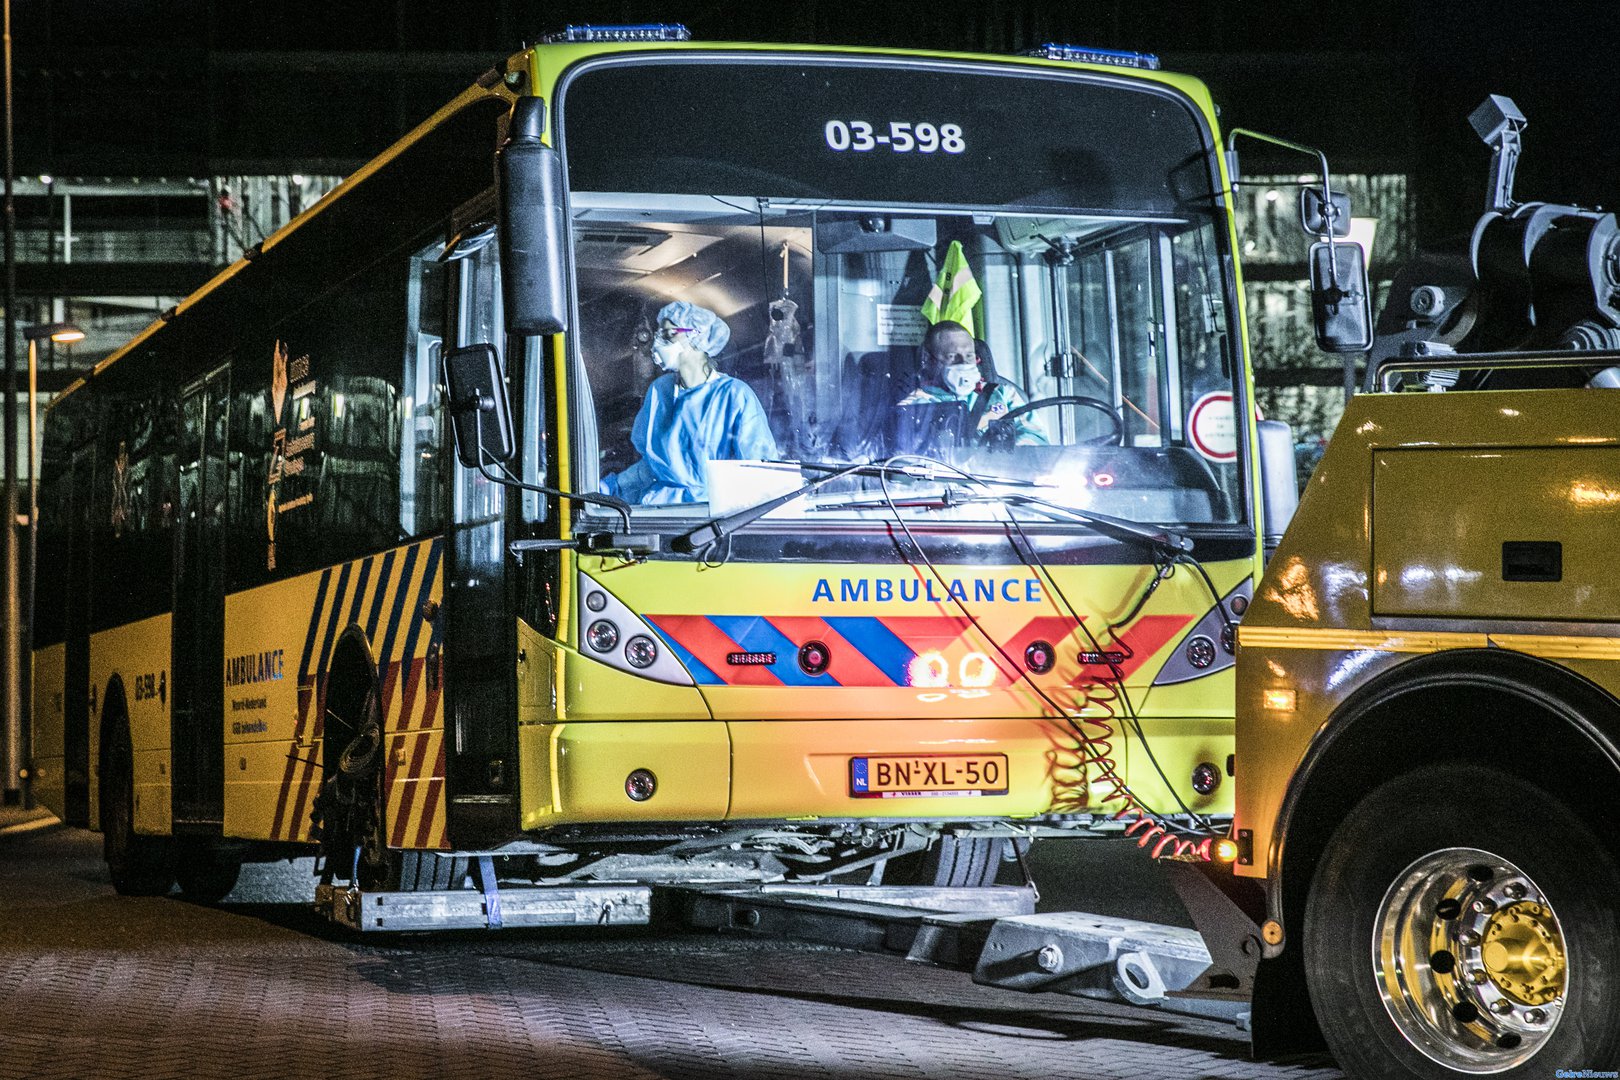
x=421, y=466
x=134, y=508
x=479, y=318
x=331, y=463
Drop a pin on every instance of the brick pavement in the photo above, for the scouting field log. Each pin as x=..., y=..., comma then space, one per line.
x=98, y=986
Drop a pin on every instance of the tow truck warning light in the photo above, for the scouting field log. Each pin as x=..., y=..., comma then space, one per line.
x=1079, y=54
x=1278, y=700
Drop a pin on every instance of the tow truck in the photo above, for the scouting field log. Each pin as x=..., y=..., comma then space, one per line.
x=1428, y=676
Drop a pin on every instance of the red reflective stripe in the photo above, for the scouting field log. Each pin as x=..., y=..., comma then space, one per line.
x=430, y=805
x=704, y=640
x=287, y=772
x=925, y=633
x=413, y=774
x=849, y=666
x=390, y=677
x=1145, y=637
x=1061, y=632
x=407, y=697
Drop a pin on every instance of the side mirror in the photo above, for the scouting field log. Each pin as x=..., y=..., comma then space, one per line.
x=1279, y=484
x=1340, y=303
x=534, y=278
x=479, y=412
x=1317, y=213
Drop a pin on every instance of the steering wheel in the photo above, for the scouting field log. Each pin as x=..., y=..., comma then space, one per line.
x=1001, y=433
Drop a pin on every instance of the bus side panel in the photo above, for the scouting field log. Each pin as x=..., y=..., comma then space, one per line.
x=137, y=656
x=413, y=710
x=279, y=641
x=49, y=731
x=272, y=634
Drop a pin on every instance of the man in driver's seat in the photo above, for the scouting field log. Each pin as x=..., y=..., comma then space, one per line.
x=953, y=371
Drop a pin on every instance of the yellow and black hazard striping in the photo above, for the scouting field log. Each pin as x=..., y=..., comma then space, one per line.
x=388, y=597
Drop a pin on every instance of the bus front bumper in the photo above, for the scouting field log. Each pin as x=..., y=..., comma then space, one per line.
x=920, y=769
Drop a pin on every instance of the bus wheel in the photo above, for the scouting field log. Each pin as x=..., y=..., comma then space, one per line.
x=952, y=862
x=1462, y=922
x=425, y=871
x=206, y=876
x=138, y=865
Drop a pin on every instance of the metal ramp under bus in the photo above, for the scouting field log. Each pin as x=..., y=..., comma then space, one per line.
x=991, y=933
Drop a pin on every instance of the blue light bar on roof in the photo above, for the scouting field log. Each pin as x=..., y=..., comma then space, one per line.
x=1078, y=54
x=633, y=32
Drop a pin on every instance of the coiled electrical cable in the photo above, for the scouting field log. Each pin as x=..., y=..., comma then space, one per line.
x=1100, y=696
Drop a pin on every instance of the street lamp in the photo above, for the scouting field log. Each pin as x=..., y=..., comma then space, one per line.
x=60, y=333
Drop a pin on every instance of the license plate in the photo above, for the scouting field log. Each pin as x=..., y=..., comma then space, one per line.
x=899, y=776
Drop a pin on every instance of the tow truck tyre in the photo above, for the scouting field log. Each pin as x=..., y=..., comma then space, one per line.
x=1463, y=922
x=138, y=865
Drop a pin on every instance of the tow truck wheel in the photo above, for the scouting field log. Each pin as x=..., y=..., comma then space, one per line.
x=1462, y=923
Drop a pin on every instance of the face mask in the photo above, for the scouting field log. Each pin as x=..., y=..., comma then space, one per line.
x=961, y=379
x=666, y=354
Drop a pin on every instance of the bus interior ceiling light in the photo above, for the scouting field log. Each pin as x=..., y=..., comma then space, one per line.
x=1079, y=54
x=590, y=32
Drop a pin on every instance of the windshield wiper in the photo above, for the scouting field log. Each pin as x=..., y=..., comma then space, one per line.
x=944, y=474
x=1114, y=528
x=717, y=528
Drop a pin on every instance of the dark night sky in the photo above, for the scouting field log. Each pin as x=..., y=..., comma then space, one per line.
x=154, y=87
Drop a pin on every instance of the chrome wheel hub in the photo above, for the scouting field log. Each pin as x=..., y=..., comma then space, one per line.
x=1470, y=960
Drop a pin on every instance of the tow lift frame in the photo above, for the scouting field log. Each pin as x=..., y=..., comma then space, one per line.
x=991, y=933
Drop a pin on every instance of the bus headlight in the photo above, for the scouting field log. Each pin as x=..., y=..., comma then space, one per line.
x=641, y=651
x=602, y=636
x=1200, y=655
x=611, y=633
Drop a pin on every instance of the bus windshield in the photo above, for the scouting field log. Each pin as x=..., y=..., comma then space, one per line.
x=1018, y=278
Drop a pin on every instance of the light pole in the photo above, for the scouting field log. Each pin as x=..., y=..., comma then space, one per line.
x=60, y=333
x=11, y=646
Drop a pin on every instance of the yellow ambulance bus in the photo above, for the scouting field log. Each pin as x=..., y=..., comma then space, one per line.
x=604, y=637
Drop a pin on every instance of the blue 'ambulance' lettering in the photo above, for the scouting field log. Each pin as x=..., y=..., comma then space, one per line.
x=928, y=589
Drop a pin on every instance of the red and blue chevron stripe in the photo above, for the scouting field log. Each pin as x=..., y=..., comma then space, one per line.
x=878, y=651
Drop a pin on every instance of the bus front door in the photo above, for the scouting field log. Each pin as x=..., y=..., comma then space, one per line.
x=197, y=686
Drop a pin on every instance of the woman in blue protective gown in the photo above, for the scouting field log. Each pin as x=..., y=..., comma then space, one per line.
x=693, y=414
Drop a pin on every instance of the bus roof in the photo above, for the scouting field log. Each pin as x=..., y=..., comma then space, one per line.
x=541, y=63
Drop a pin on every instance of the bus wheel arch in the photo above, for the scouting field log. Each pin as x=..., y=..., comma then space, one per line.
x=137, y=865
x=1524, y=718
x=351, y=754
x=351, y=676
x=355, y=794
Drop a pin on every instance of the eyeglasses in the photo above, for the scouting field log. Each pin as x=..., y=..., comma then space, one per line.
x=667, y=333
